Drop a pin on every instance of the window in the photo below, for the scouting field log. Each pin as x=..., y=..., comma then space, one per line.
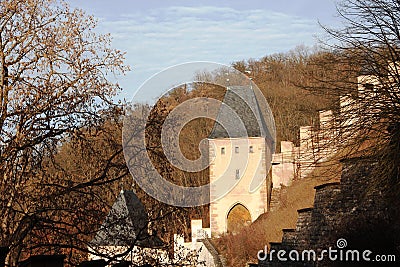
x=251, y=150
x=369, y=86
x=222, y=150
x=237, y=174
x=236, y=149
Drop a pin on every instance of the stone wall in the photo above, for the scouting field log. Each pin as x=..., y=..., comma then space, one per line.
x=317, y=144
x=354, y=210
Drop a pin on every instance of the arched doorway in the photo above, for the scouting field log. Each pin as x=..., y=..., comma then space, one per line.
x=238, y=217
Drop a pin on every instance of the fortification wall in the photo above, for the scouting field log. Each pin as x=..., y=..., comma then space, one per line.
x=317, y=144
x=353, y=209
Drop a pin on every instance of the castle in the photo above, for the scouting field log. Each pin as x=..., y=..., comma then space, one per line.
x=252, y=174
x=241, y=158
x=247, y=157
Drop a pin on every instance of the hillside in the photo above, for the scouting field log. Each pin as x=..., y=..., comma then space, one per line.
x=279, y=77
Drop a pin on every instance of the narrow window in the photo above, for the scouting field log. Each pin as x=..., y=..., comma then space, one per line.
x=237, y=174
x=236, y=149
x=251, y=149
x=222, y=150
x=369, y=86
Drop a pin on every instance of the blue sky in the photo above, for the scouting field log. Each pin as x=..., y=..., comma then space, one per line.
x=158, y=34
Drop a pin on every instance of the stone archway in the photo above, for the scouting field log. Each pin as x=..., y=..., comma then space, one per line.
x=238, y=217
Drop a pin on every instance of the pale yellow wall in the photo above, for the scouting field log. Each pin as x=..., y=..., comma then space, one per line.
x=251, y=166
x=348, y=106
x=283, y=170
x=366, y=79
x=325, y=119
x=305, y=137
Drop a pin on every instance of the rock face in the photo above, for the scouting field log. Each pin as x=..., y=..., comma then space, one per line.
x=350, y=215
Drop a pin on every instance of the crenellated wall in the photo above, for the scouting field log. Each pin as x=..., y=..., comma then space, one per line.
x=353, y=209
x=316, y=145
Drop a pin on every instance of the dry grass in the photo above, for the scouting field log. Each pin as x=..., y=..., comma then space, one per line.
x=243, y=247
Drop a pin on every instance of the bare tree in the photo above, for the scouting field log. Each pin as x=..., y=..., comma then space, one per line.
x=53, y=85
x=364, y=61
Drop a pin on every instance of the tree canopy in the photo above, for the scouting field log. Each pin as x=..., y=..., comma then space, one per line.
x=54, y=86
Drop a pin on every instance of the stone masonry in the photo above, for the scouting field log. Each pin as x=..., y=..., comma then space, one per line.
x=352, y=210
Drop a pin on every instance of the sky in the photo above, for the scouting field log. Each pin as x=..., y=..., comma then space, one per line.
x=158, y=34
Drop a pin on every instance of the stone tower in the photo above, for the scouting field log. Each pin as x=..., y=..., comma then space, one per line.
x=240, y=149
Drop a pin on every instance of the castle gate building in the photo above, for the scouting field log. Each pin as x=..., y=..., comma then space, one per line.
x=240, y=148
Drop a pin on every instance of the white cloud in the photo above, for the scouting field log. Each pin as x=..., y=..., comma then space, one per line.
x=167, y=36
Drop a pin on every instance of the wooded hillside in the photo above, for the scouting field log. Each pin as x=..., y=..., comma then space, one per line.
x=278, y=76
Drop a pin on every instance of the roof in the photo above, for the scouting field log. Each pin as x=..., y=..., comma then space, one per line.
x=243, y=101
x=126, y=224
